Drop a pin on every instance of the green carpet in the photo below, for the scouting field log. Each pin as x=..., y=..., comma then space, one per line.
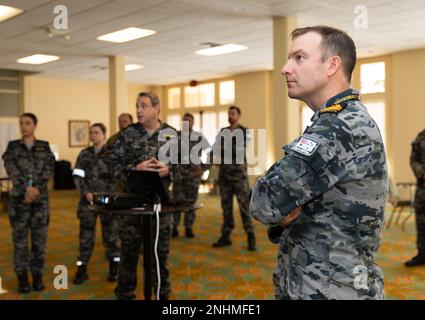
x=198, y=271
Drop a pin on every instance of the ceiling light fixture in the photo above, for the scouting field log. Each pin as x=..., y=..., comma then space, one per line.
x=38, y=59
x=216, y=49
x=132, y=67
x=125, y=35
x=7, y=12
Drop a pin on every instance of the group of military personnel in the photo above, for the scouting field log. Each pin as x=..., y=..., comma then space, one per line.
x=101, y=168
x=324, y=202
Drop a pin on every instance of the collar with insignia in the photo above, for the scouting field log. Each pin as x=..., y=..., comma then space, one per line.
x=334, y=108
x=345, y=96
x=339, y=102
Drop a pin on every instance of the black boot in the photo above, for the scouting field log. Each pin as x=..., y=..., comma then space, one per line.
x=251, y=242
x=23, y=283
x=418, y=260
x=113, y=271
x=124, y=295
x=81, y=274
x=37, y=282
x=189, y=233
x=175, y=233
x=163, y=297
x=223, y=241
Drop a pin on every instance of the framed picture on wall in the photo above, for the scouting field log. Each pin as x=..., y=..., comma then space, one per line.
x=79, y=133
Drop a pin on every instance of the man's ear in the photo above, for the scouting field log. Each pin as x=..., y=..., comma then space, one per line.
x=335, y=64
x=158, y=108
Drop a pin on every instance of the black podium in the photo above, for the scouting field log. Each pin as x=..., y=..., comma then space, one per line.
x=147, y=213
x=147, y=193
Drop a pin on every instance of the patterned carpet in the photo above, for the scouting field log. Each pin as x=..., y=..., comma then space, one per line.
x=198, y=271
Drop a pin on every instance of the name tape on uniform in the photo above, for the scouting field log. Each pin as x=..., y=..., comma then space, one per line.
x=305, y=146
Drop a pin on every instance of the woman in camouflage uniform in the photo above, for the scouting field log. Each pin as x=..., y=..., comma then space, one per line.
x=29, y=163
x=91, y=175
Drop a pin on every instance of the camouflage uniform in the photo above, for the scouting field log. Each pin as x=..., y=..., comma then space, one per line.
x=417, y=162
x=91, y=174
x=187, y=186
x=26, y=167
x=117, y=185
x=337, y=173
x=233, y=179
x=133, y=146
x=112, y=139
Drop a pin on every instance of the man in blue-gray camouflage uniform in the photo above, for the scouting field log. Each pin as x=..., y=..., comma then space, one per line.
x=324, y=201
x=138, y=147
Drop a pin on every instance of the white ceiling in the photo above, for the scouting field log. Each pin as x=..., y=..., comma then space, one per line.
x=182, y=25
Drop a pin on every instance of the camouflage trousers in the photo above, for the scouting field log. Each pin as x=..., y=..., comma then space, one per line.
x=87, y=236
x=189, y=191
x=230, y=184
x=420, y=218
x=308, y=269
x=25, y=219
x=131, y=234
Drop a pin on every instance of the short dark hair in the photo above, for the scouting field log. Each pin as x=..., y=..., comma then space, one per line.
x=126, y=114
x=152, y=96
x=334, y=42
x=99, y=125
x=235, y=108
x=187, y=114
x=30, y=115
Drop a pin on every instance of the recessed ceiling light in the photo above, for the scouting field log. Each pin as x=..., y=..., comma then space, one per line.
x=126, y=35
x=223, y=49
x=132, y=67
x=7, y=12
x=38, y=59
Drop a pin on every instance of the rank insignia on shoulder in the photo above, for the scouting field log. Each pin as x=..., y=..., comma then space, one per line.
x=332, y=109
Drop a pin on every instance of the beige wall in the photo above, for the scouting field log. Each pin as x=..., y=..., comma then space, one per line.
x=253, y=94
x=56, y=101
x=405, y=112
x=408, y=108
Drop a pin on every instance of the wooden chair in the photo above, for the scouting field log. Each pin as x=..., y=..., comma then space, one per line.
x=401, y=196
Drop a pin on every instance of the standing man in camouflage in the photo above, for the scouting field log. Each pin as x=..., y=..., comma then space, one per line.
x=29, y=164
x=231, y=144
x=137, y=148
x=417, y=162
x=124, y=120
x=92, y=174
x=191, y=172
x=325, y=199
